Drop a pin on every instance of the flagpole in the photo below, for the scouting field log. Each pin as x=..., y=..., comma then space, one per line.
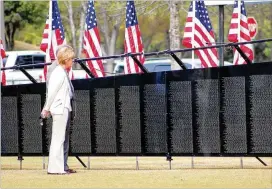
x=193, y=36
x=48, y=59
x=239, y=27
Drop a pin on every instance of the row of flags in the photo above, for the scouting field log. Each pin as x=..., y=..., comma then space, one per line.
x=198, y=32
x=91, y=40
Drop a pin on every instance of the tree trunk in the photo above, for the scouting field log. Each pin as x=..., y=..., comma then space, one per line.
x=81, y=28
x=167, y=40
x=110, y=38
x=10, y=32
x=174, y=31
x=112, y=44
x=105, y=29
x=147, y=42
x=12, y=37
x=7, y=36
x=71, y=23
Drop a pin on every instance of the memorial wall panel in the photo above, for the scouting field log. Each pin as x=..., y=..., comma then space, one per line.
x=261, y=114
x=130, y=123
x=9, y=125
x=81, y=126
x=104, y=107
x=155, y=118
x=181, y=116
x=31, y=128
x=207, y=116
x=234, y=115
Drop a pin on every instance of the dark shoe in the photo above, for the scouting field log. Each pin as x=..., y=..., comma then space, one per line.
x=66, y=173
x=70, y=171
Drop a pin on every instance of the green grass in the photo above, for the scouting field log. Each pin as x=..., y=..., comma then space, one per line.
x=20, y=45
x=120, y=172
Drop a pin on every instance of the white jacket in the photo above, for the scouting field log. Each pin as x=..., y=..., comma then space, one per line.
x=59, y=92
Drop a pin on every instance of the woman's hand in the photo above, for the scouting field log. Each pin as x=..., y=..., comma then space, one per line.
x=45, y=113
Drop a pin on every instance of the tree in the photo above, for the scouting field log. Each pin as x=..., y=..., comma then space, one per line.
x=174, y=30
x=17, y=14
x=112, y=24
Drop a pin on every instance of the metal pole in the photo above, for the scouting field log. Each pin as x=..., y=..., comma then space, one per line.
x=21, y=164
x=221, y=34
x=89, y=164
x=28, y=75
x=82, y=163
x=241, y=162
x=43, y=162
x=261, y=161
x=20, y=158
x=137, y=163
x=139, y=64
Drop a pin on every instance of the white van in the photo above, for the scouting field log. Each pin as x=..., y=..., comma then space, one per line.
x=16, y=58
x=161, y=64
x=20, y=58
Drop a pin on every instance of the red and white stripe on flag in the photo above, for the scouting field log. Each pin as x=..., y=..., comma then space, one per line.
x=2, y=56
x=53, y=35
x=198, y=32
x=133, y=41
x=239, y=32
x=91, y=42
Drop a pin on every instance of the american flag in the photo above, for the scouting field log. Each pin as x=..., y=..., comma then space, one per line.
x=56, y=38
x=198, y=32
x=2, y=56
x=91, y=42
x=239, y=22
x=133, y=41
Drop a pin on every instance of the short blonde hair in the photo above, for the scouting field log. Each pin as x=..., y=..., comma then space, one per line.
x=65, y=52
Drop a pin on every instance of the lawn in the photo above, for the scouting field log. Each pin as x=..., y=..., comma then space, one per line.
x=154, y=172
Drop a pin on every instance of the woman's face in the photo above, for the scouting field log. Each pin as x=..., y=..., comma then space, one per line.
x=68, y=63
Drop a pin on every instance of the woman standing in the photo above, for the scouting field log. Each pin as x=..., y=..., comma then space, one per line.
x=58, y=104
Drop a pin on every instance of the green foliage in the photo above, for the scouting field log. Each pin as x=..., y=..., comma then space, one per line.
x=25, y=11
x=19, y=15
x=30, y=35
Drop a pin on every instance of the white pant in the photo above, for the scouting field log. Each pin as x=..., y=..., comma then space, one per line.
x=56, y=152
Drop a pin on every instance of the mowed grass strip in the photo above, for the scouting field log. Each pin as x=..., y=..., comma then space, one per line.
x=120, y=172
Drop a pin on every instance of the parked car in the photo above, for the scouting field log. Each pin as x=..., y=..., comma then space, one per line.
x=159, y=64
